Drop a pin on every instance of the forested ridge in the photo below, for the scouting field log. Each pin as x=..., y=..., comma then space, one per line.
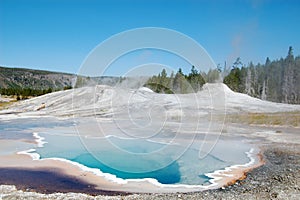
x=20, y=78
x=277, y=80
x=24, y=83
x=176, y=83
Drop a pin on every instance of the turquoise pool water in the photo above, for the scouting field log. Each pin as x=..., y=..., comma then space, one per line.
x=167, y=168
x=168, y=163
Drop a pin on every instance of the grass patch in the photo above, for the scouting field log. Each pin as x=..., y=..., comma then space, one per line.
x=280, y=119
x=5, y=105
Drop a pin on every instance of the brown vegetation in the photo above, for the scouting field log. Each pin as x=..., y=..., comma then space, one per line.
x=271, y=119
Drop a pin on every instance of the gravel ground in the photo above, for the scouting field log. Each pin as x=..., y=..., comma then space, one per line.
x=279, y=178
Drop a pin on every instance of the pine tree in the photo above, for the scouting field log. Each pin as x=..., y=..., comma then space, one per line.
x=277, y=80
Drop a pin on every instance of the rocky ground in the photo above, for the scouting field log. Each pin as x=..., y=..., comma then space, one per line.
x=279, y=178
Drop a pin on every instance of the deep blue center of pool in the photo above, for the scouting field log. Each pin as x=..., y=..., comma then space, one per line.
x=167, y=175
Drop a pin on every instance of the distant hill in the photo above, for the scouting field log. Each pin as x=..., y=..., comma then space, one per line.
x=20, y=78
x=34, y=79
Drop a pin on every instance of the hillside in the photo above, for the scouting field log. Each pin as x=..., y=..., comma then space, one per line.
x=20, y=78
x=34, y=79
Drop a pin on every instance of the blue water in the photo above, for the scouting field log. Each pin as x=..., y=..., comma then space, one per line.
x=70, y=147
x=188, y=169
x=23, y=128
x=167, y=175
x=126, y=158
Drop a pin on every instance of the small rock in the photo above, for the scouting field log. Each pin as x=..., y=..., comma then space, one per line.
x=274, y=195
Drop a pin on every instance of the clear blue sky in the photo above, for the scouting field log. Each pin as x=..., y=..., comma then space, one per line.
x=58, y=34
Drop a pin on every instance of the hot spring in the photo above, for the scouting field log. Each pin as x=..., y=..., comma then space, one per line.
x=167, y=161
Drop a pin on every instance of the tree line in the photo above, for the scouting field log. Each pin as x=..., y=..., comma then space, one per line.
x=25, y=93
x=277, y=80
x=176, y=83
